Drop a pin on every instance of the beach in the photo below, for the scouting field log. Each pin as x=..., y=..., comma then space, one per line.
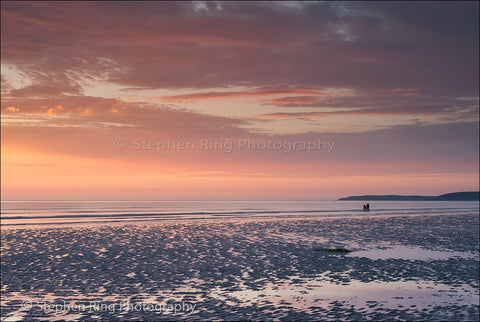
x=415, y=267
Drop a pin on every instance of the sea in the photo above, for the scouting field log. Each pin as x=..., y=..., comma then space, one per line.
x=28, y=214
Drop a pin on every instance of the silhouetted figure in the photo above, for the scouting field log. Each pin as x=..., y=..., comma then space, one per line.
x=368, y=207
x=364, y=207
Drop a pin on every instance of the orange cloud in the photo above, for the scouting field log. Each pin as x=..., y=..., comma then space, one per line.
x=12, y=109
x=86, y=111
x=53, y=110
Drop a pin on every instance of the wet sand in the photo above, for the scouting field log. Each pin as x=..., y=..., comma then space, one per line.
x=400, y=267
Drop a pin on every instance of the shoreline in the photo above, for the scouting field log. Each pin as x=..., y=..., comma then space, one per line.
x=167, y=221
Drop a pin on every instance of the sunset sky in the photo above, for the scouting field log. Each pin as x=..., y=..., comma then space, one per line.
x=223, y=100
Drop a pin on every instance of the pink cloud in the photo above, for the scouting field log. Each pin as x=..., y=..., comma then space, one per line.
x=262, y=91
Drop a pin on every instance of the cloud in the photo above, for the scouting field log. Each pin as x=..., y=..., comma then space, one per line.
x=52, y=110
x=259, y=92
x=69, y=132
x=53, y=89
x=388, y=56
x=174, y=45
x=101, y=113
x=394, y=103
x=12, y=109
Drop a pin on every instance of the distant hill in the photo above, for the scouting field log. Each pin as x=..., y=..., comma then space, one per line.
x=454, y=196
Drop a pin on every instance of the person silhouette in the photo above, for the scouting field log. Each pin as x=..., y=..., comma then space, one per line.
x=364, y=207
x=368, y=207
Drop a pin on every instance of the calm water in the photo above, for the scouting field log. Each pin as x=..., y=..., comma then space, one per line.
x=41, y=213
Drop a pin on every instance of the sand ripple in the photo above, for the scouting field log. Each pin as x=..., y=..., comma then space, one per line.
x=237, y=270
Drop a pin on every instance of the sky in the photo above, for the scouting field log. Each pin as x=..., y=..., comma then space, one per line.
x=238, y=100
